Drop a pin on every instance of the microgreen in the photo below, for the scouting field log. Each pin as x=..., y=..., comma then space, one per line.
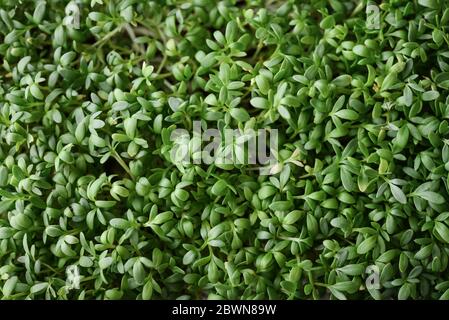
x=94, y=206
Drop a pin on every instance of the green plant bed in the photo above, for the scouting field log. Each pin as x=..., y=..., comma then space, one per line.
x=95, y=203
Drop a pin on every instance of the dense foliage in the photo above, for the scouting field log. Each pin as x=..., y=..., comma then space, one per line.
x=87, y=178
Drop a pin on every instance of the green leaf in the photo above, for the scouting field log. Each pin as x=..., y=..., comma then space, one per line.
x=162, y=217
x=6, y=233
x=9, y=286
x=283, y=111
x=400, y=142
x=127, y=14
x=36, y=92
x=361, y=50
x=430, y=95
x=398, y=194
x=38, y=288
x=231, y=31
x=353, y=269
x=389, y=81
x=280, y=206
x=327, y=22
x=138, y=272
x=239, y=114
x=293, y=216
x=5, y=205
x=105, y=262
x=428, y=3
x=259, y=103
x=430, y=196
x=266, y=192
x=347, y=179
x=147, y=291
x=189, y=257
x=120, y=106
x=67, y=58
x=119, y=223
x=367, y=245
x=347, y=114
x=404, y=292
x=53, y=231
x=445, y=295
x=339, y=295
x=342, y=81
x=39, y=11
x=442, y=230
x=346, y=286
x=263, y=84
x=408, y=96
x=219, y=188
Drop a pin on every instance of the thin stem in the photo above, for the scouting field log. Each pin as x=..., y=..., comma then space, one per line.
x=161, y=66
x=164, y=58
x=122, y=163
x=17, y=295
x=49, y=267
x=144, y=32
x=161, y=37
x=132, y=35
x=319, y=284
x=259, y=47
x=162, y=76
x=108, y=36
